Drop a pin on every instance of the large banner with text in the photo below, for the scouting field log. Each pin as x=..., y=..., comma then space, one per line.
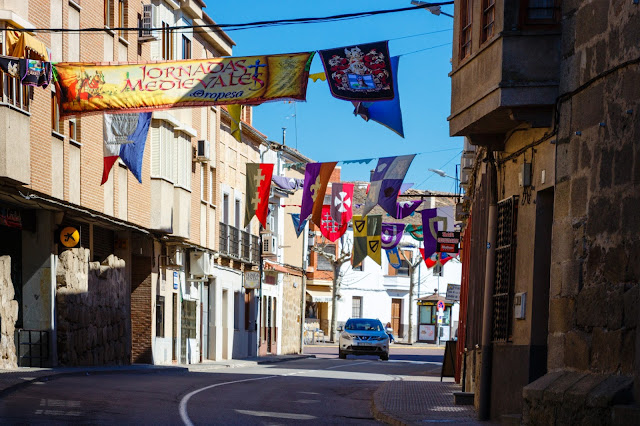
x=250, y=80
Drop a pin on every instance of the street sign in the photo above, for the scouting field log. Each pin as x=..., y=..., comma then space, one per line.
x=440, y=305
x=448, y=242
x=176, y=280
x=251, y=279
x=453, y=292
x=70, y=237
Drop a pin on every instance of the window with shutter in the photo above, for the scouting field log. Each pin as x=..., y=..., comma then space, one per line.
x=155, y=149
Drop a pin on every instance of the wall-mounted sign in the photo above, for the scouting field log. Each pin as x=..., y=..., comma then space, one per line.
x=251, y=279
x=176, y=280
x=10, y=218
x=448, y=242
x=69, y=237
x=453, y=292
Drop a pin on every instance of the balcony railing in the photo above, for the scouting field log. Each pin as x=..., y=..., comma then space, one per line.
x=239, y=244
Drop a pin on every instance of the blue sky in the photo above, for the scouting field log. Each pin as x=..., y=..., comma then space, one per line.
x=324, y=128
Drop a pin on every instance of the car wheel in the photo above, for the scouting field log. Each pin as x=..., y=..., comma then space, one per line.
x=384, y=357
x=342, y=355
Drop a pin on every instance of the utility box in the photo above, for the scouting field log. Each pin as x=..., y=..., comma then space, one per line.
x=524, y=176
x=520, y=305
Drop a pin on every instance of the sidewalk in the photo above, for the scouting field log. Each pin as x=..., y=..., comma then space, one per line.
x=421, y=400
x=14, y=379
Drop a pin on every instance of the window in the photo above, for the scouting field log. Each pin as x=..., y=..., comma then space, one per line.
x=73, y=130
x=183, y=155
x=247, y=310
x=488, y=19
x=162, y=150
x=210, y=186
x=236, y=211
x=167, y=42
x=225, y=209
x=186, y=47
x=356, y=307
x=55, y=113
x=505, y=268
x=541, y=11
x=122, y=15
x=108, y=13
x=466, y=10
x=159, y=316
x=236, y=310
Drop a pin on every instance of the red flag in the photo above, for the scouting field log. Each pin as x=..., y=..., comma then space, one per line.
x=258, y=188
x=329, y=227
x=431, y=261
x=341, y=202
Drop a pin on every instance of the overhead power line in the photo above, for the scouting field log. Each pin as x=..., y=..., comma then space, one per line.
x=233, y=27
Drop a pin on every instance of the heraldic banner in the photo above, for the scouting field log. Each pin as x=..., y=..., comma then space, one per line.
x=250, y=80
x=366, y=238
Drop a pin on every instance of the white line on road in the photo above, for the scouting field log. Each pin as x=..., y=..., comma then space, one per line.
x=348, y=365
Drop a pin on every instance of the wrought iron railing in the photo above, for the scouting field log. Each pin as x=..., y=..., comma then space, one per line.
x=255, y=249
x=32, y=347
x=245, y=246
x=224, y=239
x=234, y=242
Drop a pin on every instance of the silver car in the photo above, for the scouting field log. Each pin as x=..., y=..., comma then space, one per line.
x=362, y=336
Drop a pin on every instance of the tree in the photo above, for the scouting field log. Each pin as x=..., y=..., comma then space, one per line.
x=336, y=260
x=413, y=263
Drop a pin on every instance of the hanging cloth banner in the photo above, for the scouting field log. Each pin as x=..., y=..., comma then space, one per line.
x=10, y=65
x=342, y=202
x=125, y=136
x=415, y=232
x=386, y=181
x=435, y=258
x=331, y=229
x=258, y=188
x=405, y=208
x=387, y=113
x=249, y=80
x=393, y=256
x=360, y=72
x=391, y=235
x=299, y=227
x=289, y=183
x=366, y=238
x=434, y=220
x=316, y=179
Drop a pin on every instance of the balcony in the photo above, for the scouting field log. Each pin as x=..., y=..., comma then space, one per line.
x=15, y=131
x=238, y=244
x=509, y=80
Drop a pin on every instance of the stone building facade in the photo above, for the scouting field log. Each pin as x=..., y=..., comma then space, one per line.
x=550, y=282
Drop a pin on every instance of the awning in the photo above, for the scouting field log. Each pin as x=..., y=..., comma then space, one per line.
x=320, y=296
x=271, y=266
x=19, y=42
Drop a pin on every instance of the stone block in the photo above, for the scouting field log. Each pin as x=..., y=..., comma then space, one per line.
x=591, y=306
x=571, y=278
x=615, y=389
x=630, y=306
x=561, y=314
x=577, y=352
x=561, y=201
x=614, y=306
x=604, y=216
x=579, y=196
x=605, y=350
x=628, y=351
x=555, y=392
x=555, y=352
x=589, y=18
x=536, y=389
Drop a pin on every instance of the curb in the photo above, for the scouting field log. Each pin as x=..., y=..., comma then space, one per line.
x=279, y=360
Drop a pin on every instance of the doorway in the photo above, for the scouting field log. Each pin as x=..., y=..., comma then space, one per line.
x=396, y=316
x=225, y=324
x=541, y=278
x=204, y=343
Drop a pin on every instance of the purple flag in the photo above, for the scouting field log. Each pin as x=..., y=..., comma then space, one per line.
x=391, y=235
x=386, y=182
x=289, y=183
x=405, y=208
x=434, y=220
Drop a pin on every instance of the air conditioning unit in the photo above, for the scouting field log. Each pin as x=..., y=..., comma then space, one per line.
x=148, y=18
x=200, y=263
x=268, y=245
x=202, y=153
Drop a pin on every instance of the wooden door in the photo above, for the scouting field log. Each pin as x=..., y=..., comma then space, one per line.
x=396, y=316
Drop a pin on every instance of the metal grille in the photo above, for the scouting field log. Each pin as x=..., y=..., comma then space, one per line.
x=245, y=247
x=234, y=242
x=224, y=238
x=32, y=348
x=255, y=249
x=503, y=285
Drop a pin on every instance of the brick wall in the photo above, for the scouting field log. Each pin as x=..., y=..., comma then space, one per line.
x=141, y=310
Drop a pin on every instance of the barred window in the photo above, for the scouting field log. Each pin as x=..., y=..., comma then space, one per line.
x=505, y=268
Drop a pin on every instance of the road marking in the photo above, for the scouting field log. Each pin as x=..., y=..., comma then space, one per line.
x=293, y=416
x=348, y=365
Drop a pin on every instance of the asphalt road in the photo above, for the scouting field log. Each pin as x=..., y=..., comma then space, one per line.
x=324, y=390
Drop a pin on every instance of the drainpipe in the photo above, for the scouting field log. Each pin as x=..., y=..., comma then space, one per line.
x=484, y=411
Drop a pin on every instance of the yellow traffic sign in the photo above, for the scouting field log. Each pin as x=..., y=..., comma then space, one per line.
x=69, y=237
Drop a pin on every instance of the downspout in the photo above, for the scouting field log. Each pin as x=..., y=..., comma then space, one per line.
x=484, y=411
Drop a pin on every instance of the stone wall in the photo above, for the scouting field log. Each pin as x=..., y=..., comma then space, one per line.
x=92, y=305
x=593, y=310
x=8, y=316
x=291, y=297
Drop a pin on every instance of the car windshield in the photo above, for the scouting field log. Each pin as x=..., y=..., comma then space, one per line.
x=363, y=325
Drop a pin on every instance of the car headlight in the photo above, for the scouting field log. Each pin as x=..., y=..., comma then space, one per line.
x=346, y=336
x=381, y=338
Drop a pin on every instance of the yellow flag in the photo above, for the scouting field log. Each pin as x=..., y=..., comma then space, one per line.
x=234, y=112
x=318, y=76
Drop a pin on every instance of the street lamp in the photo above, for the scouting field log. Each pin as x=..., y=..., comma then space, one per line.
x=444, y=174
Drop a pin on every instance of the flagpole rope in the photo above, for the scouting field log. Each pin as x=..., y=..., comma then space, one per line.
x=232, y=27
